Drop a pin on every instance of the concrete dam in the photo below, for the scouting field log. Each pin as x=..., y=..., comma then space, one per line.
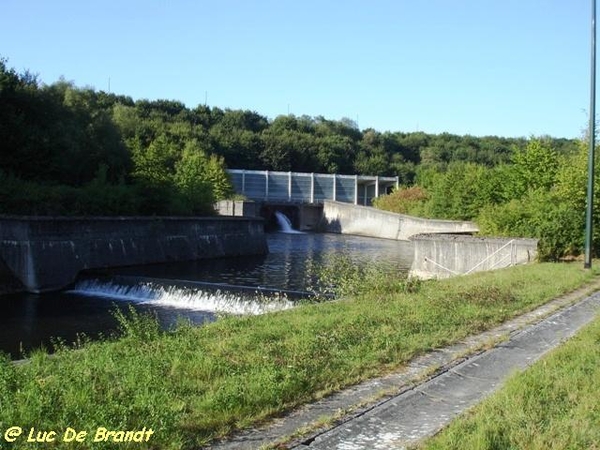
x=41, y=254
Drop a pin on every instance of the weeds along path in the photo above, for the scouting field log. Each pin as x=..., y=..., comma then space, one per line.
x=194, y=385
x=335, y=421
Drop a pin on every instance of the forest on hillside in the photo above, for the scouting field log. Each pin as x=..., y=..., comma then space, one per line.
x=77, y=151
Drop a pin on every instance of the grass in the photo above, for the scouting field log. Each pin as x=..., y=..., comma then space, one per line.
x=195, y=384
x=554, y=404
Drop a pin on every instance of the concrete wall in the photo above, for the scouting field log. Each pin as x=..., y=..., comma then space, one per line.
x=47, y=253
x=365, y=221
x=444, y=256
x=309, y=217
x=9, y=284
x=237, y=208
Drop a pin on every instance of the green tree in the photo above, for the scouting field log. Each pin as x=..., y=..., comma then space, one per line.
x=372, y=158
x=216, y=174
x=538, y=214
x=460, y=192
x=192, y=179
x=155, y=164
x=534, y=167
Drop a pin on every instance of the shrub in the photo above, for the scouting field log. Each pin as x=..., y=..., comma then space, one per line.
x=403, y=200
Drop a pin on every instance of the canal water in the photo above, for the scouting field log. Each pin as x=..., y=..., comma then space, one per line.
x=196, y=291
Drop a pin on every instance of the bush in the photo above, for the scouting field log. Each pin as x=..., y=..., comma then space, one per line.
x=403, y=200
x=540, y=215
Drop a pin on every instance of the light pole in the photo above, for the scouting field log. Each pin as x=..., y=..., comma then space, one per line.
x=592, y=134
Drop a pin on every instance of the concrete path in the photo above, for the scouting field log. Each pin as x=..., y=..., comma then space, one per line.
x=396, y=411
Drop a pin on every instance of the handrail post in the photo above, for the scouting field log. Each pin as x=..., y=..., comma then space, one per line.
x=334, y=187
x=266, y=185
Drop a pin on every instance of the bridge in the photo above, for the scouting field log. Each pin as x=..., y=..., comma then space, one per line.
x=309, y=188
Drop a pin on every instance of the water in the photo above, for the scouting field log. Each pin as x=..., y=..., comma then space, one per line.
x=285, y=225
x=172, y=291
x=182, y=295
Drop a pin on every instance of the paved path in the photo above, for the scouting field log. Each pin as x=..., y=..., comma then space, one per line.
x=393, y=412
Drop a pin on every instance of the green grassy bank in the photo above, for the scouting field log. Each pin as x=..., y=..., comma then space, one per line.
x=193, y=384
x=553, y=404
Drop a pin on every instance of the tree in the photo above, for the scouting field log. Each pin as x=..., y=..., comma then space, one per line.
x=459, y=193
x=192, y=180
x=372, y=158
x=155, y=164
x=534, y=167
x=216, y=174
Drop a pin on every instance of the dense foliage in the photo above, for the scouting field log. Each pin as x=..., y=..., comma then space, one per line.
x=72, y=150
x=69, y=150
x=540, y=192
x=66, y=150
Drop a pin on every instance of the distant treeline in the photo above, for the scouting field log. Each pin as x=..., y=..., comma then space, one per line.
x=69, y=150
x=539, y=193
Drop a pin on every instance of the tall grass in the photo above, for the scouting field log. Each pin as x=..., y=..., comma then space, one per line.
x=194, y=384
x=554, y=404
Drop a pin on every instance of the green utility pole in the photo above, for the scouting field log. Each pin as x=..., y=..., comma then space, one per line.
x=592, y=134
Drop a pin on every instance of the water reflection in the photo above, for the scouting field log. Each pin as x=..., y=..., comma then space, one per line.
x=29, y=320
x=290, y=257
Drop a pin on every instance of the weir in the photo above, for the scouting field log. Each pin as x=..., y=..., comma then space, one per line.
x=187, y=295
x=285, y=273
x=47, y=253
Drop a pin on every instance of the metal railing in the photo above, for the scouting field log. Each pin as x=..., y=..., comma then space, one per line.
x=298, y=187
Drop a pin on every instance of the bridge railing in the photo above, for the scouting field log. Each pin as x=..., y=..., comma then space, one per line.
x=298, y=187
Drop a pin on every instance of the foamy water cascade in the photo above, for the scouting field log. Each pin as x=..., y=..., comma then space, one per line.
x=285, y=224
x=30, y=321
x=184, y=298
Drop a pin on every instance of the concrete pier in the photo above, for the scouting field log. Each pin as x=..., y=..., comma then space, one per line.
x=444, y=256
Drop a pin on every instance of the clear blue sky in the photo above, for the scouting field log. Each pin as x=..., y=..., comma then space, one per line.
x=480, y=67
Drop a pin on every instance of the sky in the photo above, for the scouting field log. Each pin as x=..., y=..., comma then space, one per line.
x=513, y=68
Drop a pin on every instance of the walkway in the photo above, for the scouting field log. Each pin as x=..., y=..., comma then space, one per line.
x=400, y=409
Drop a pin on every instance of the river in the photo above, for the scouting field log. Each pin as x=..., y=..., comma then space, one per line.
x=172, y=291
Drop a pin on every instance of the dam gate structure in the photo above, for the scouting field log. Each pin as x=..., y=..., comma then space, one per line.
x=309, y=188
x=329, y=202
x=300, y=195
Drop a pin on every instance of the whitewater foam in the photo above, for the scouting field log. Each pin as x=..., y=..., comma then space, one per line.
x=285, y=224
x=185, y=298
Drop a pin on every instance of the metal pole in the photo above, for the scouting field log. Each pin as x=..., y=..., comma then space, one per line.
x=592, y=134
x=334, y=187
